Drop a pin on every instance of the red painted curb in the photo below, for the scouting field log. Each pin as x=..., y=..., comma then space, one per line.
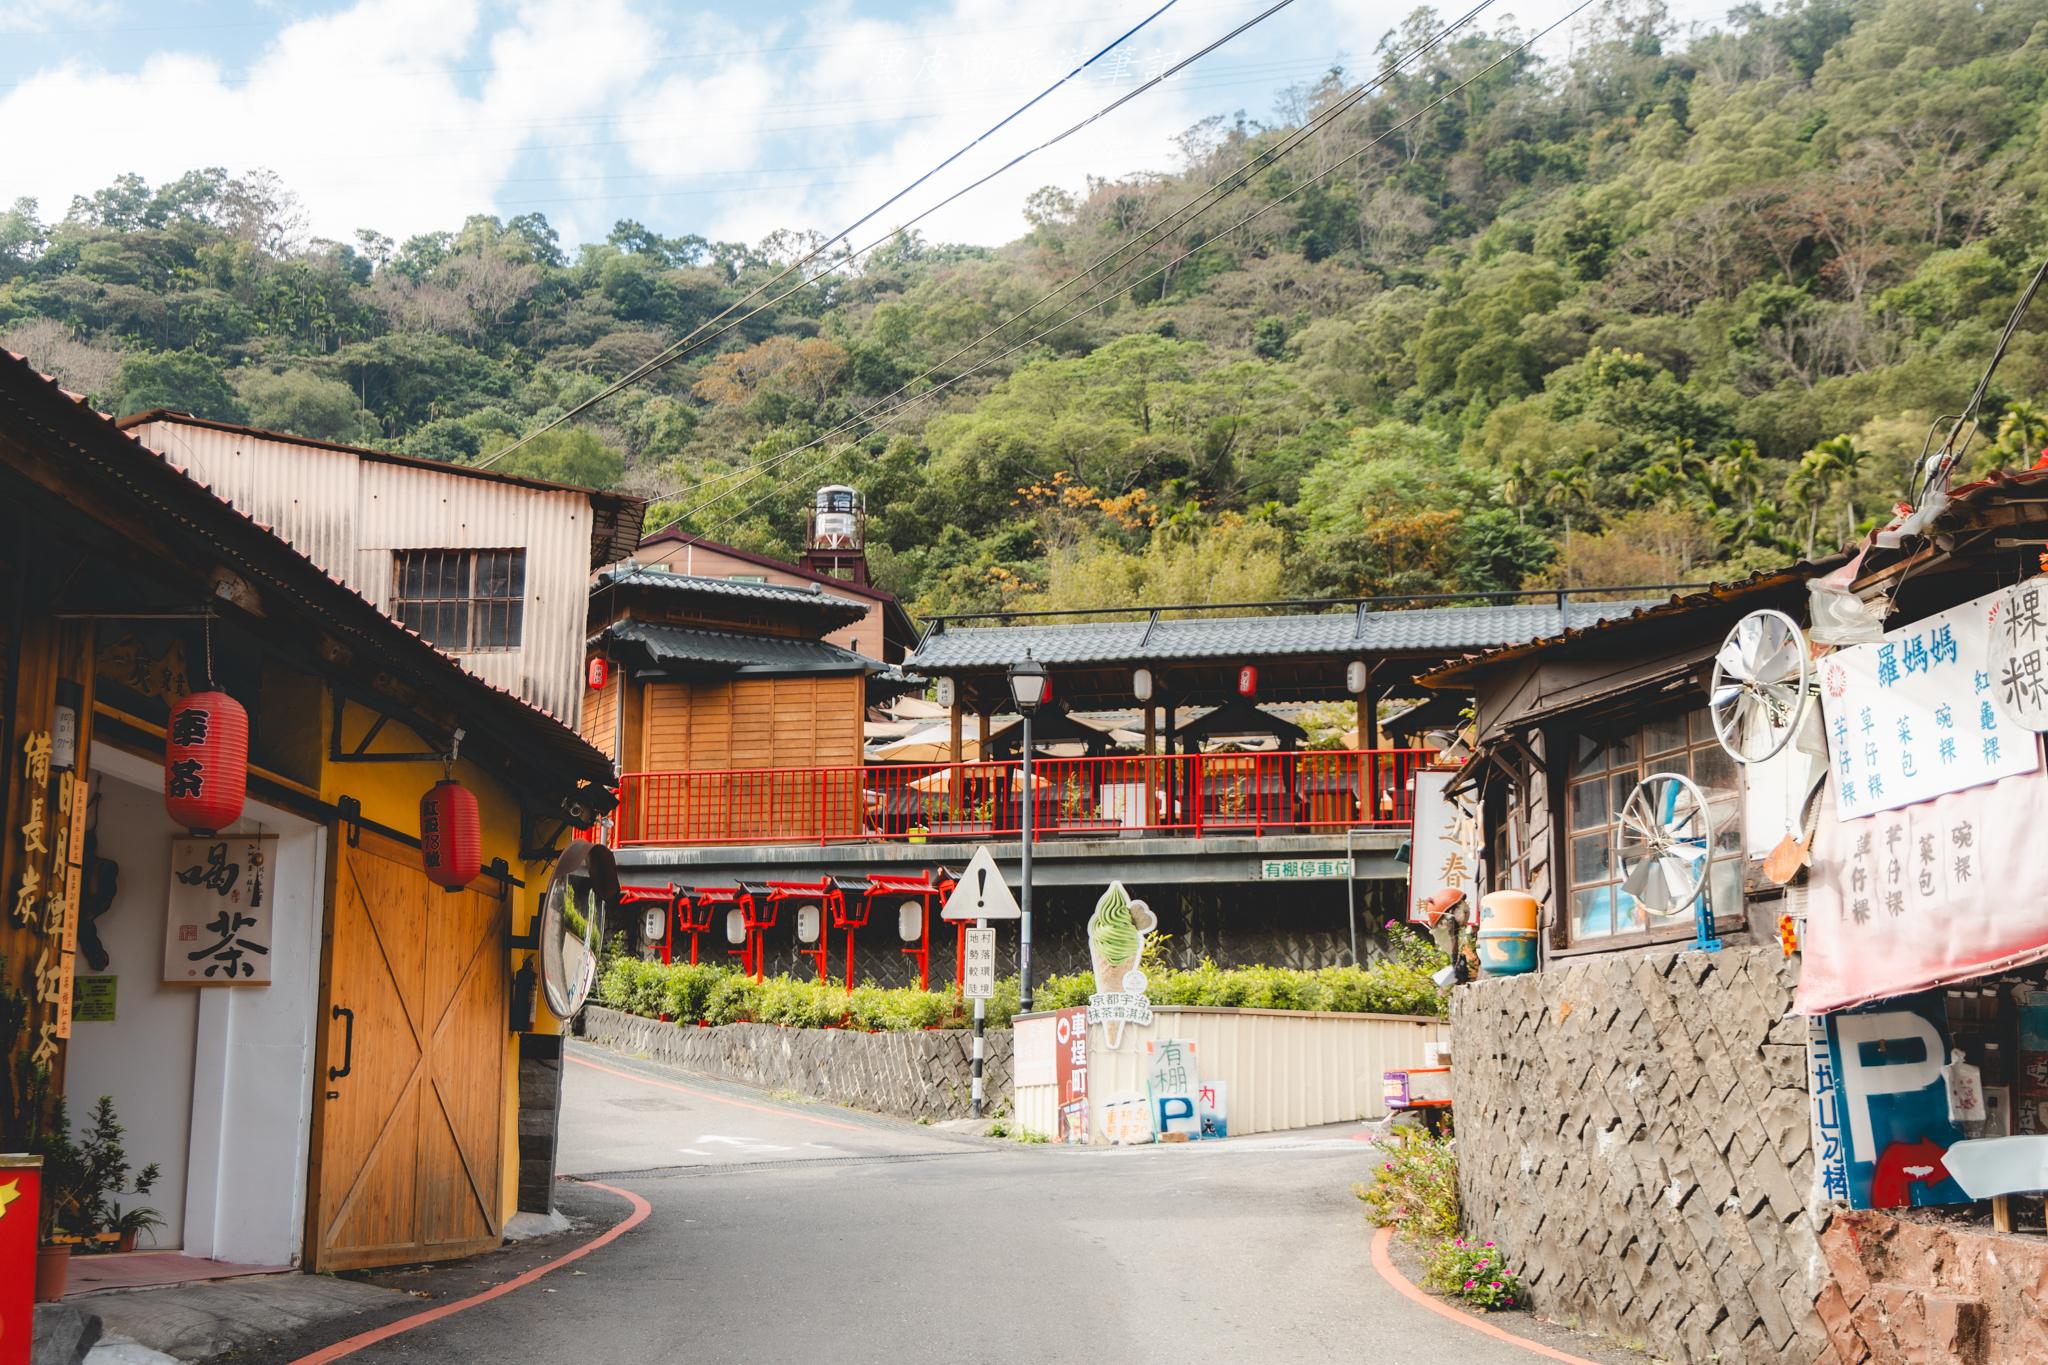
x=1383, y=1262
x=391, y=1329
x=818, y=1119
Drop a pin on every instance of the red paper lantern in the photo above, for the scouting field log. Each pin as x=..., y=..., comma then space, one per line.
x=206, y=762
x=600, y=670
x=1248, y=681
x=451, y=835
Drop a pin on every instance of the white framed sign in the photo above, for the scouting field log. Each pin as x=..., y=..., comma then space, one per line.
x=1915, y=715
x=218, y=931
x=1443, y=844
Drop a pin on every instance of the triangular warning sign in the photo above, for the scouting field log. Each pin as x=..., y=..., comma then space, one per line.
x=981, y=893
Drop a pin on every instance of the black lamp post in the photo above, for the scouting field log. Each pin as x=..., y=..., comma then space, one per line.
x=1027, y=692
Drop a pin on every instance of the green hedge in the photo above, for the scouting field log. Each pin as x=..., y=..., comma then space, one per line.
x=721, y=995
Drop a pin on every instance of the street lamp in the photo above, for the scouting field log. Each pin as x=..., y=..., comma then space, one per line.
x=1027, y=692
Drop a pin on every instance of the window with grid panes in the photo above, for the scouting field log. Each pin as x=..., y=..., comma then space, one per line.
x=463, y=601
x=1605, y=769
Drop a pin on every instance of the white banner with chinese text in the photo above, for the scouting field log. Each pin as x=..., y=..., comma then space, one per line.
x=1912, y=716
x=1443, y=849
x=1935, y=892
x=218, y=930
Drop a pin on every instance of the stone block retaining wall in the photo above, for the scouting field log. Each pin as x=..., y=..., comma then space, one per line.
x=1906, y=1292
x=1634, y=1129
x=911, y=1075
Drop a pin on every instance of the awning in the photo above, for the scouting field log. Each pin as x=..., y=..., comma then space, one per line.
x=684, y=651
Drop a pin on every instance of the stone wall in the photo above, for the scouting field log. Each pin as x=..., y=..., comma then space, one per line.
x=912, y=1075
x=1633, y=1129
x=1906, y=1291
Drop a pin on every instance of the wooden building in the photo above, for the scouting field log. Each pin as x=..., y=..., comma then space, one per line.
x=366, y=1106
x=720, y=684
x=491, y=568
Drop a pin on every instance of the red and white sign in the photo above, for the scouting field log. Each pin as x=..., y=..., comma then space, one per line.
x=1933, y=892
x=1248, y=681
x=1070, y=1067
x=600, y=670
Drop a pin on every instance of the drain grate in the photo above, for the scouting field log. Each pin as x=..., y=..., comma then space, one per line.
x=738, y=1167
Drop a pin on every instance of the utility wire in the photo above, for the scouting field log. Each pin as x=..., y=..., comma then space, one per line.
x=677, y=352
x=697, y=342
x=890, y=417
x=1230, y=184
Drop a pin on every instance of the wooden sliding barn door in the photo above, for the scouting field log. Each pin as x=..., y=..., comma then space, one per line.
x=407, y=1141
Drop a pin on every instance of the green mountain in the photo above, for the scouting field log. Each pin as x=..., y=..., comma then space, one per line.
x=1647, y=314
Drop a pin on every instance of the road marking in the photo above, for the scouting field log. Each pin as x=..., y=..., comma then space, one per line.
x=349, y=1347
x=1383, y=1262
x=818, y=1119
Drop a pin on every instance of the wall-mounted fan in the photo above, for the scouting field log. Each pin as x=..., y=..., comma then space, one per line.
x=1665, y=843
x=573, y=923
x=1763, y=686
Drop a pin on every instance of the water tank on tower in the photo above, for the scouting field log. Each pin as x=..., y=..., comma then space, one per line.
x=836, y=538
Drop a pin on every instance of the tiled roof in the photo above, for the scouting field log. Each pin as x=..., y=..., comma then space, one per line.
x=1428, y=630
x=722, y=652
x=812, y=599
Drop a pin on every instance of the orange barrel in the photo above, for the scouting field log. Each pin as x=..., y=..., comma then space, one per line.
x=1507, y=933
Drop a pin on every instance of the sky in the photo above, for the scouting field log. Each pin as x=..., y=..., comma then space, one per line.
x=730, y=119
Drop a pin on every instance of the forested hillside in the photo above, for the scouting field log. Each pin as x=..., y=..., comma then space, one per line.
x=1648, y=314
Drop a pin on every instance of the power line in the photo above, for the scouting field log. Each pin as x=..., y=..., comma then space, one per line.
x=1230, y=183
x=676, y=353
x=1095, y=302
x=685, y=346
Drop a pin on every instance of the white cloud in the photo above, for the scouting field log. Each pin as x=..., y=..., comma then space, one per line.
x=42, y=16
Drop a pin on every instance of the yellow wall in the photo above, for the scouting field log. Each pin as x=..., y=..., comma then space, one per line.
x=389, y=794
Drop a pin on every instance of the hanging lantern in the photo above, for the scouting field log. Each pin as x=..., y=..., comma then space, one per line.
x=599, y=671
x=451, y=835
x=206, y=762
x=1248, y=681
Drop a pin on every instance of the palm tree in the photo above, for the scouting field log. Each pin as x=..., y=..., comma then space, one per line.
x=2022, y=436
x=1813, y=482
x=1569, y=489
x=1518, y=486
x=1739, y=474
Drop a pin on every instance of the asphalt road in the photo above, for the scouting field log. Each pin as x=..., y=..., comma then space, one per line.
x=801, y=1233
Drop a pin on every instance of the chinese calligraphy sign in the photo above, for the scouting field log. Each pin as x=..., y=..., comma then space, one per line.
x=2019, y=654
x=1933, y=892
x=1917, y=714
x=218, y=932
x=1443, y=850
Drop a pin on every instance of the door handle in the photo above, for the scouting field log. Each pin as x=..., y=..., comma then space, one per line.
x=348, y=1041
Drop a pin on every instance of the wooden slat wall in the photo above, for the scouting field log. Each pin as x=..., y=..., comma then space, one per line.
x=753, y=723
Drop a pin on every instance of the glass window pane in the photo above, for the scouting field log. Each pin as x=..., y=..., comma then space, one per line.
x=1593, y=913
x=516, y=572
x=1663, y=735
x=1715, y=770
x=1589, y=805
x=1724, y=881
x=1587, y=755
x=1618, y=788
x=1592, y=858
x=515, y=622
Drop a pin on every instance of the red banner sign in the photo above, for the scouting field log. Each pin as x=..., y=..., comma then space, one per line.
x=21, y=1197
x=1070, y=1064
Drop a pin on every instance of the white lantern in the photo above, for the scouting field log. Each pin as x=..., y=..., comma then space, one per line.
x=735, y=926
x=808, y=922
x=944, y=693
x=1141, y=684
x=653, y=924
x=1356, y=676
x=910, y=921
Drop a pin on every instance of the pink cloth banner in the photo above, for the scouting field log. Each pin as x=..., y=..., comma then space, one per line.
x=1930, y=893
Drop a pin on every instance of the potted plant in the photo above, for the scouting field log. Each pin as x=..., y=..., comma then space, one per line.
x=88, y=1208
x=1077, y=813
x=128, y=1223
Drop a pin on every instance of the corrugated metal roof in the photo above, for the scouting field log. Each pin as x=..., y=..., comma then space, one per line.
x=617, y=524
x=813, y=599
x=1251, y=638
x=722, y=652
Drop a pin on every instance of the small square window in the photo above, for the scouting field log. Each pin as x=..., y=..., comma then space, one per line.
x=462, y=601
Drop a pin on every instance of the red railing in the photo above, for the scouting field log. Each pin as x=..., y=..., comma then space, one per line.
x=1193, y=794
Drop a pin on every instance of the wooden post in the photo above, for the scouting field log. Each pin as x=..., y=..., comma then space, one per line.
x=953, y=720
x=1151, y=765
x=981, y=719
x=2001, y=1213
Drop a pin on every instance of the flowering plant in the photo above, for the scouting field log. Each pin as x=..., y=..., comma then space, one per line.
x=1414, y=1189
x=1475, y=1272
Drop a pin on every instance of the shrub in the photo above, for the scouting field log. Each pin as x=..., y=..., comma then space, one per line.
x=1415, y=1190
x=1475, y=1272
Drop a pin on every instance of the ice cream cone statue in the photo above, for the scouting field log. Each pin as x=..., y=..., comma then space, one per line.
x=1116, y=942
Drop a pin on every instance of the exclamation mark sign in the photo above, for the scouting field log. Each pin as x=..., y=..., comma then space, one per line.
x=980, y=888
